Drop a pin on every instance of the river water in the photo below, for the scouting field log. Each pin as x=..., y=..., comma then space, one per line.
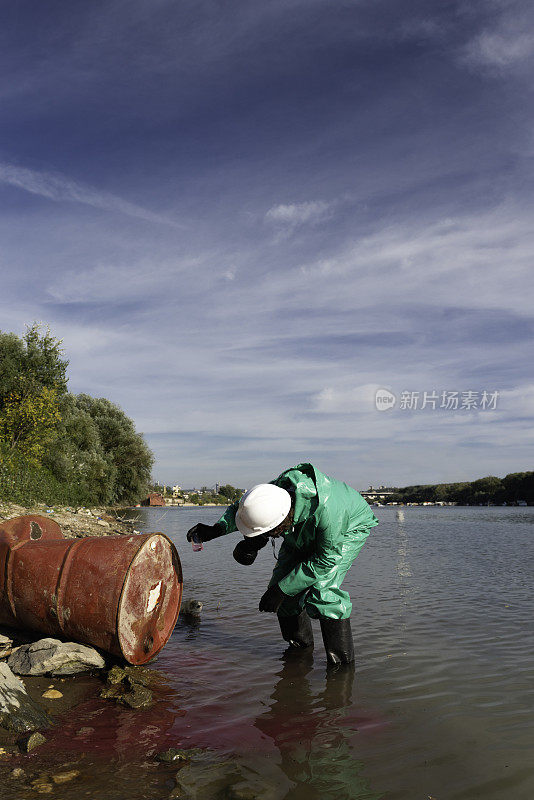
x=440, y=704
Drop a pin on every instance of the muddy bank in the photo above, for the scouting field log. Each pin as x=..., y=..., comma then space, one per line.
x=76, y=522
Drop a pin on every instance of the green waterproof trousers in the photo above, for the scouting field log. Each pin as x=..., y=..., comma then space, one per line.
x=325, y=598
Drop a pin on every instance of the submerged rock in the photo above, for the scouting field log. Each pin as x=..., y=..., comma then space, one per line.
x=18, y=713
x=141, y=675
x=129, y=686
x=204, y=777
x=42, y=785
x=31, y=742
x=52, y=657
x=64, y=777
x=18, y=772
x=172, y=756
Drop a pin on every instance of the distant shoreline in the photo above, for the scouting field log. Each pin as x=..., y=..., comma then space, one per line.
x=373, y=505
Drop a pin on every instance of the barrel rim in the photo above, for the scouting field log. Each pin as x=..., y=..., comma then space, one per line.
x=145, y=538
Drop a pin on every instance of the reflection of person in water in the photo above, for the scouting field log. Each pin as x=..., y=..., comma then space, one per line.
x=308, y=731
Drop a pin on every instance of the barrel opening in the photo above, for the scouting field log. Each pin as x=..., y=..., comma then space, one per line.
x=36, y=532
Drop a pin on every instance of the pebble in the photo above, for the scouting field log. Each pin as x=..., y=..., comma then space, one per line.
x=42, y=785
x=51, y=694
x=35, y=740
x=63, y=777
x=6, y=645
x=18, y=772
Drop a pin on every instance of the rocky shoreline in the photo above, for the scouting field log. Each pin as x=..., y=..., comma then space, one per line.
x=43, y=679
x=76, y=522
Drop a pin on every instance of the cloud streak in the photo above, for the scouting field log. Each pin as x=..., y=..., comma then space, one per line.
x=293, y=214
x=61, y=189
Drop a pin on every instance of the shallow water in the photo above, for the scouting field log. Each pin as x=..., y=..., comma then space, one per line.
x=440, y=705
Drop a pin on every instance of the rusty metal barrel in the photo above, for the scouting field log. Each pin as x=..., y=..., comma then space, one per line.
x=119, y=593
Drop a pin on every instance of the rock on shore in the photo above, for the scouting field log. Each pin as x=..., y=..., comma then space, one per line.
x=52, y=657
x=18, y=713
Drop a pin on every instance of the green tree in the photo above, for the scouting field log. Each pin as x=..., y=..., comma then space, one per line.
x=32, y=381
x=27, y=422
x=55, y=447
x=230, y=492
x=31, y=363
x=487, y=490
x=125, y=449
x=519, y=486
x=78, y=456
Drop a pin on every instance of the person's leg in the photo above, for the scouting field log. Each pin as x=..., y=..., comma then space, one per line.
x=329, y=603
x=296, y=629
x=338, y=641
x=294, y=622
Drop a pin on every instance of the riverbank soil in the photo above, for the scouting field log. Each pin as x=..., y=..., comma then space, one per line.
x=76, y=522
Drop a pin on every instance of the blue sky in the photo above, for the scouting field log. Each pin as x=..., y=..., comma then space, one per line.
x=244, y=218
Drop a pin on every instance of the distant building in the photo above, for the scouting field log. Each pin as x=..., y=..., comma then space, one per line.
x=154, y=499
x=383, y=493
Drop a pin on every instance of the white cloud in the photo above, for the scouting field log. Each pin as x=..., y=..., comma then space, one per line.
x=477, y=261
x=500, y=49
x=60, y=188
x=293, y=214
x=352, y=400
x=505, y=44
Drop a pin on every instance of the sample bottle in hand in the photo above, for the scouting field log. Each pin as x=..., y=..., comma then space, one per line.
x=196, y=541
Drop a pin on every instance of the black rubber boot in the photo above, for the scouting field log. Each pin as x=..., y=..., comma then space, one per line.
x=337, y=638
x=297, y=630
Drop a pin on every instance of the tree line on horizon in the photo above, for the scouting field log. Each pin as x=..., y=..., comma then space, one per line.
x=57, y=447
x=513, y=488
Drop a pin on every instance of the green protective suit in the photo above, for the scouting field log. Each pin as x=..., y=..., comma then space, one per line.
x=330, y=525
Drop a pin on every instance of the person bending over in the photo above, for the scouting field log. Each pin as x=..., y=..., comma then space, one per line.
x=323, y=524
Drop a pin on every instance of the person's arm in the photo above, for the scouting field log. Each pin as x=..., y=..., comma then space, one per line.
x=227, y=521
x=226, y=524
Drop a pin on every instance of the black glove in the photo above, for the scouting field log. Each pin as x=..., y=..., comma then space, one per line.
x=272, y=599
x=206, y=532
x=246, y=550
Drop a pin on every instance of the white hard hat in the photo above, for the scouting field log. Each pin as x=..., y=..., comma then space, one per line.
x=261, y=509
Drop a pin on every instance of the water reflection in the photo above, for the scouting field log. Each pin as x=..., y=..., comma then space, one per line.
x=403, y=565
x=313, y=733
